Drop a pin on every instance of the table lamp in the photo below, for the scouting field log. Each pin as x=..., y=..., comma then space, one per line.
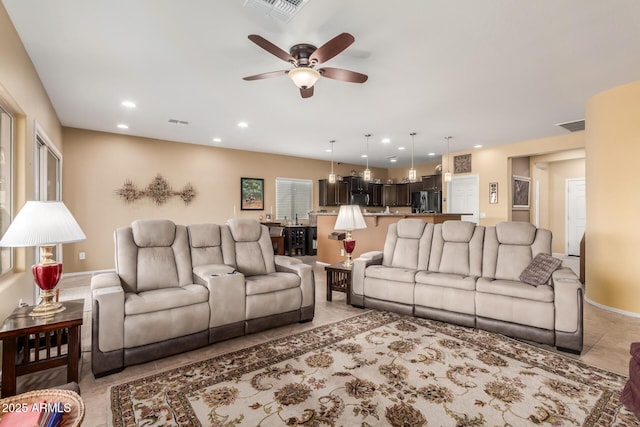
x=349, y=218
x=44, y=224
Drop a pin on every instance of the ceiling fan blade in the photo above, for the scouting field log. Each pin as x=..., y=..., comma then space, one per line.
x=306, y=92
x=344, y=75
x=267, y=75
x=272, y=48
x=331, y=48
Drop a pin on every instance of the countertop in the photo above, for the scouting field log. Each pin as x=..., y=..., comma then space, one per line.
x=405, y=214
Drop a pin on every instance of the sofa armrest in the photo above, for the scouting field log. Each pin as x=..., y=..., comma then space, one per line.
x=108, y=301
x=304, y=271
x=568, y=300
x=359, y=265
x=105, y=280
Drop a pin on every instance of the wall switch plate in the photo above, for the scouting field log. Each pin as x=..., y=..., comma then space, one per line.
x=342, y=252
x=82, y=255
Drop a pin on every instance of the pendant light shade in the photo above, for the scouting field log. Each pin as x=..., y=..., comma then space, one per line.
x=332, y=176
x=447, y=175
x=413, y=175
x=367, y=173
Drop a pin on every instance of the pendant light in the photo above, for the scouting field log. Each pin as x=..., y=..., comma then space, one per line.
x=413, y=176
x=447, y=175
x=332, y=176
x=367, y=173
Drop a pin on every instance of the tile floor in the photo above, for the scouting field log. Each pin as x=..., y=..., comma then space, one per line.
x=607, y=339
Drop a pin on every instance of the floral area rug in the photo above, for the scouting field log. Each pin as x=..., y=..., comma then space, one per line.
x=378, y=369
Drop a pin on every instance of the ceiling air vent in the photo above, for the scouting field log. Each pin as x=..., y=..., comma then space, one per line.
x=574, y=126
x=282, y=10
x=178, y=122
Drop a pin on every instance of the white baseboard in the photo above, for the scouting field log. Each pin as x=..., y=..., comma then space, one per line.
x=91, y=273
x=614, y=310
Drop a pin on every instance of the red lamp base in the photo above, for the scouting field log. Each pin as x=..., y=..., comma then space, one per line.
x=349, y=246
x=47, y=277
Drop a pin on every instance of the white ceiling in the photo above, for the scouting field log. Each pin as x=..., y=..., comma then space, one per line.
x=486, y=72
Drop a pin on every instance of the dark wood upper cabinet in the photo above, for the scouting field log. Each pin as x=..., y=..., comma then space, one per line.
x=333, y=194
x=403, y=196
x=389, y=195
x=432, y=182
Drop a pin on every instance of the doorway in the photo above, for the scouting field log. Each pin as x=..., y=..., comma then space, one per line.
x=576, y=214
x=464, y=197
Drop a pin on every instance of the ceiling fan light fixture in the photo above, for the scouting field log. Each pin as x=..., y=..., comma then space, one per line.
x=304, y=77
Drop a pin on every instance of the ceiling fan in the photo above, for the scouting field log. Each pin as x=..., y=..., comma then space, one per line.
x=305, y=57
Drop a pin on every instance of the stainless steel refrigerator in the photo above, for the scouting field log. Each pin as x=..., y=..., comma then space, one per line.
x=429, y=201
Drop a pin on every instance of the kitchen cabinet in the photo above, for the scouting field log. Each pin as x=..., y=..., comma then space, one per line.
x=333, y=194
x=388, y=195
x=413, y=187
x=375, y=194
x=432, y=182
x=403, y=196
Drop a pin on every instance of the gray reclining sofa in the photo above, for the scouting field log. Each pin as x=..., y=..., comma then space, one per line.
x=176, y=288
x=472, y=275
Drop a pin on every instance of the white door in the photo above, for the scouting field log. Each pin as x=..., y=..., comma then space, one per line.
x=464, y=197
x=576, y=214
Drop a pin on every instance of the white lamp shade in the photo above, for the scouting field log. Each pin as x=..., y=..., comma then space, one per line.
x=304, y=77
x=40, y=224
x=350, y=218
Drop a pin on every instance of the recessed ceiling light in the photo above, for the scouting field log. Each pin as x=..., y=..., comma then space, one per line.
x=394, y=160
x=217, y=139
x=364, y=155
x=123, y=126
x=129, y=104
x=386, y=140
x=400, y=148
x=328, y=150
x=477, y=146
x=432, y=154
x=243, y=124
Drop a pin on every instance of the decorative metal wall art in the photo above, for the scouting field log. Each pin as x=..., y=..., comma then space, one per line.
x=462, y=163
x=159, y=190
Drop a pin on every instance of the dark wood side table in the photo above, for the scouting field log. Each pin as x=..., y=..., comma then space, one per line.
x=338, y=279
x=32, y=344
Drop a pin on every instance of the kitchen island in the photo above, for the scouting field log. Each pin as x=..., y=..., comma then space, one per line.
x=371, y=238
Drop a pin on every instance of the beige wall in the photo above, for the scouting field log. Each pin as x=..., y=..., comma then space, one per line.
x=397, y=174
x=96, y=164
x=552, y=172
x=491, y=164
x=613, y=228
x=22, y=93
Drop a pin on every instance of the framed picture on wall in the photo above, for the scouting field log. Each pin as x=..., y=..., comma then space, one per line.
x=521, y=192
x=251, y=194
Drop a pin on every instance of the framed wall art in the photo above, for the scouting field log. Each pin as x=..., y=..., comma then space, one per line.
x=251, y=194
x=493, y=193
x=521, y=192
x=462, y=163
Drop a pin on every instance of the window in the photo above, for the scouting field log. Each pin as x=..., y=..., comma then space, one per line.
x=6, y=185
x=293, y=197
